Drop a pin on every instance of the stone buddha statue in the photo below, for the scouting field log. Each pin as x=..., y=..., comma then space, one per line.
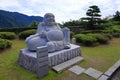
x=49, y=34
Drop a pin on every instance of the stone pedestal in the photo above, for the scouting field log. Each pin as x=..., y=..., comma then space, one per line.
x=42, y=59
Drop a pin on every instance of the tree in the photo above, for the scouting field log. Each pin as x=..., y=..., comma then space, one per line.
x=93, y=20
x=34, y=24
x=116, y=17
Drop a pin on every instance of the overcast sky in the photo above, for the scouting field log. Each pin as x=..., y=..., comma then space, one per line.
x=64, y=10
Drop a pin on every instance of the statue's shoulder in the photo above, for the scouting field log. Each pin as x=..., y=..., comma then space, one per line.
x=41, y=24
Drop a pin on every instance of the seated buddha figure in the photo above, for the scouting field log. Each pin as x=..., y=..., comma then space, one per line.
x=49, y=34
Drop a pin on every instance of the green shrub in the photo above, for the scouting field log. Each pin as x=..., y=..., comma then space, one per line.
x=92, y=39
x=109, y=36
x=7, y=35
x=79, y=37
x=5, y=43
x=102, y=39
x=87, y=40
x=25, y=34
x=15, y=30
x=117, y=35
x=71, y=34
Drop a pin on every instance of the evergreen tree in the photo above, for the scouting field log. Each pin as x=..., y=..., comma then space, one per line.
x=93, y=19
x=34, y=24
x=116, y=17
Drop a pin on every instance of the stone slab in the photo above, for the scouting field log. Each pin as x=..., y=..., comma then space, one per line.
x=93, y=73
x=112, y=69
x=42, y=71
x=42, y=51
x=64, y=65
x=77, y=70
x=103, y=77
x=42, y=63
x=43, y=59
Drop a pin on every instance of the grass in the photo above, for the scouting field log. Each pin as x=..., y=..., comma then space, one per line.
x=10, y=70
x=100, y=58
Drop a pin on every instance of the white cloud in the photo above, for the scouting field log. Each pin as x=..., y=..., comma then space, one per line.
x=8, y=3
x=64, y=10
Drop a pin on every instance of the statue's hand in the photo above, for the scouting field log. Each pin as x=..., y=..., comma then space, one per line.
x=43, y=34
x=67, y=46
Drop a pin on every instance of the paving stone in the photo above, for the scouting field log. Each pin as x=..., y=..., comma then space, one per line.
x=64, y=65
x=103, y=77
x=93, y=73
x=77, y=70
x=112, y=69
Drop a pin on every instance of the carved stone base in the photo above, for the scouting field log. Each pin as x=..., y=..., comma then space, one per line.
x=28, y=59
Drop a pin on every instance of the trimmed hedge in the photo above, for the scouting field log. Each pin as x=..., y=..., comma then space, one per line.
x=86, y=40
x=92, y=39
x=117, y=35
x=5, y=44
x=25, y=34
x=16, y=30
x=102, y=39
x=71, y=34
x=7, y=35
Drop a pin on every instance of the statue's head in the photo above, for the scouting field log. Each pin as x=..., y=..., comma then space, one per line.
x=49, y=18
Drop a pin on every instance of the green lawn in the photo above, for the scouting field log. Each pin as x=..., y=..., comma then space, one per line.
x=100, y=58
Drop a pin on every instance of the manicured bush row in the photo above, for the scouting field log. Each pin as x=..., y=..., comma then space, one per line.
x=96, y=31
x=117, y=35
x=92, y=39
x=25, y=34
x=85, y=39
x=16, y=30
x=7, y=35
x=71, y=34
x=5, y=44
x=102, y=39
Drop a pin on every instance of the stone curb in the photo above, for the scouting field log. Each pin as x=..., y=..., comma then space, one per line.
x=110, y=71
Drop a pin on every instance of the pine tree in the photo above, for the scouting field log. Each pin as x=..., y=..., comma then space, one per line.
x=93, y=19
x=116, y=17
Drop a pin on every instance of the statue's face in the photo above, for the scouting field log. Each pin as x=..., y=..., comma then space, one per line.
x=49, y=18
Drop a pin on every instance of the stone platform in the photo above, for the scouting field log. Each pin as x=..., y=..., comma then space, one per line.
x=28, y=59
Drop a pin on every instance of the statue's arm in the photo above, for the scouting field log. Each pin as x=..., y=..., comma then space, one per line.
x=66, y=32
x=41, y=30
x=35, y=35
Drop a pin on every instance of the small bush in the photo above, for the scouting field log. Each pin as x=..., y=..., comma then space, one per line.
x=15, y=30
x=7, y=35
x=86, y=39
x=92, y=39
x=5, y=43
x=109, y=36
x=102, y=39
x=117, y=35
x=71, y=34
x=25, y=34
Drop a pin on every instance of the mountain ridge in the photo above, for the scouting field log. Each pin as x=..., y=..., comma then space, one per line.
x=15, y=19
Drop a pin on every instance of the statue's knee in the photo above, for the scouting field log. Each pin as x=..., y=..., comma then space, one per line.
x=51, y=47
